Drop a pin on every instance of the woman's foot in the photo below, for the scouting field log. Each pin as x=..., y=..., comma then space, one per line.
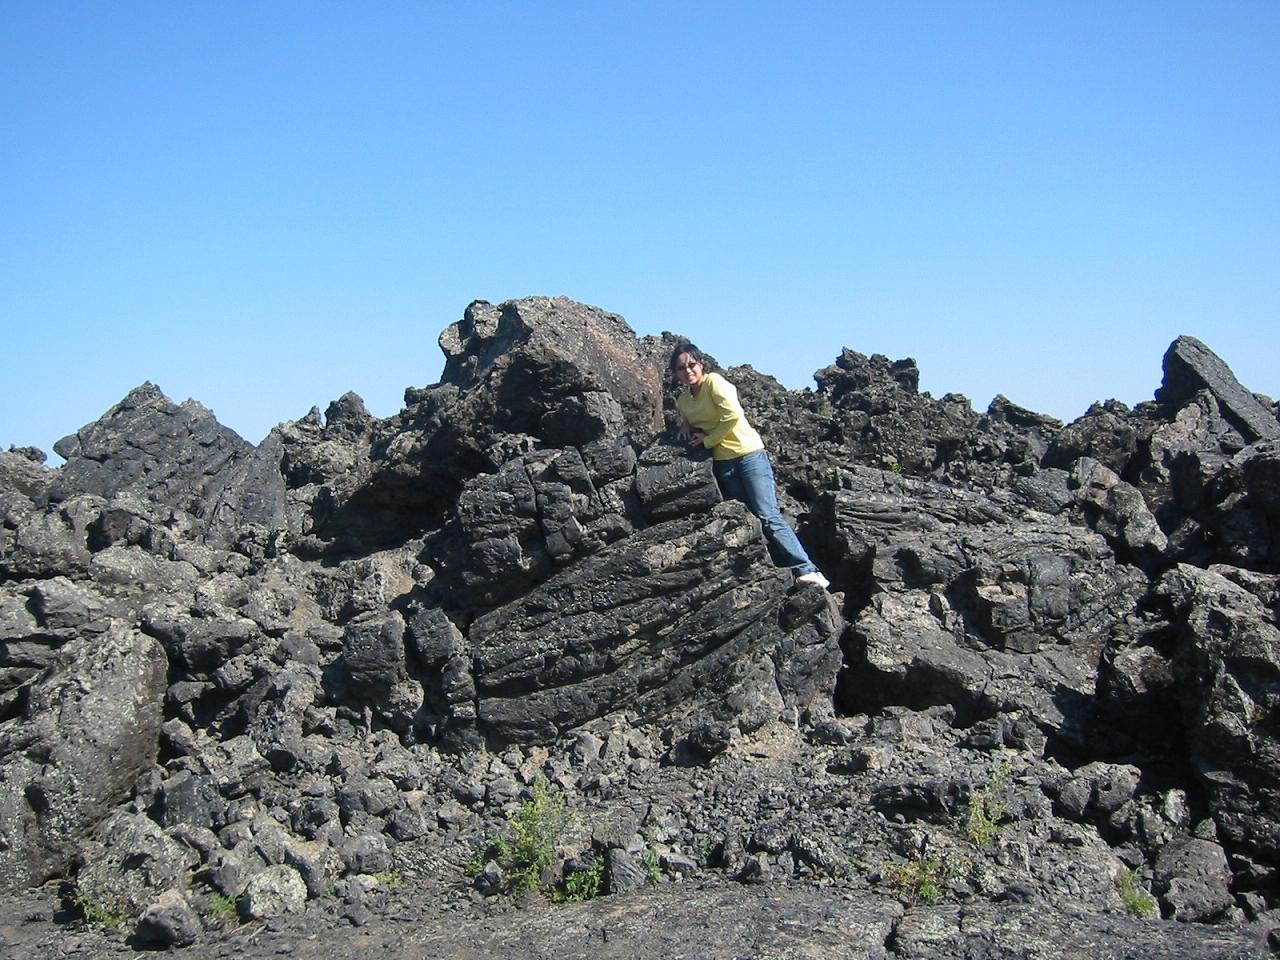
x=814, y=578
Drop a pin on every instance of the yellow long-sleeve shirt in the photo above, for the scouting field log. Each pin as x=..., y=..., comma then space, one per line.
x=715, y=411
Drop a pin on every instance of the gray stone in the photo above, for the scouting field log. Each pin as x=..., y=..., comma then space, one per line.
x=1193, y=880
x=623, y=872
x=146, y=445
x=130, y=861
x=374, y=657
x=1228, y=667
x=317, y=863
x=1190, y=366
x=367, y=853
x=88, y=729
x=170, y=921
x=671, y=485
x=545, y=352
x=274, y=892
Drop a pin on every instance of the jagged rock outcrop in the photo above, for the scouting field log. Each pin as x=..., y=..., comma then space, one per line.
x=277, y=677
x=973, y=601
x=868, y=410
x=162, y=453
x=534, y=373
x=1190, y=366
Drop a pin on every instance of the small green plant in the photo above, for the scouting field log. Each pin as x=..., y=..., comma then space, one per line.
x=100, y=910
x=652, y=867
x=474, y=864
x=532, y=846
x=224, y=908
x=537, y=828
x=924, y=878
x=987, y=810
x=392, y=879
x=702, y=849
x=581, y=885
x=1134, y=896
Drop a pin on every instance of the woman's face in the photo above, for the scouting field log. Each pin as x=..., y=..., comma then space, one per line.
x=688, y=370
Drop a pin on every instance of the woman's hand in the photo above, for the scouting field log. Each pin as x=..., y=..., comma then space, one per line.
x=687, y=434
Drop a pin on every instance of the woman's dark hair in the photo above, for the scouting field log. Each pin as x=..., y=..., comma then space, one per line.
x=684, y=346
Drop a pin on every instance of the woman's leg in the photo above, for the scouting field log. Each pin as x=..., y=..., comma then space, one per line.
x=754, y=476
x=729, y=479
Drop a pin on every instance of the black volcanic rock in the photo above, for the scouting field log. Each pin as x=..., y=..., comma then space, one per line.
x=1227, y=662
x=366, y=648
x=556, y=369
x=968, y=602
x=86, y=730
x=528, y=374
x=1190, y=366
x=688, y=617
x=1107, y=433
x=150, y=447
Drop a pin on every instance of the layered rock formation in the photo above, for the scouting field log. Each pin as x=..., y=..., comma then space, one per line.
x=280, y=676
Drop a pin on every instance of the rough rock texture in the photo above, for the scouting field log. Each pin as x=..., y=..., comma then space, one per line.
x=555, y=369
x=733, y=647
x=161, y=452
x=1190, y=366
x=309, y=697
x=1228, y=667
x=78, y=738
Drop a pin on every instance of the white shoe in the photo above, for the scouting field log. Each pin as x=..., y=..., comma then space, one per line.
x=814, y=578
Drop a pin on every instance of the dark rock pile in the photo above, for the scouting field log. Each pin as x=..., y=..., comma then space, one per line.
x=251, y=693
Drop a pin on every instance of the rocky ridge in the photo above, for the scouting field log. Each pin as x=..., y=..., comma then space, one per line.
x=249, y=694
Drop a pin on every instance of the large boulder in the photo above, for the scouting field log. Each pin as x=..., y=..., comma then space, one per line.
x=86, y=730
x=684, y=622
x=537, y=513
x=48, y=541
x=522, y=376
x=559, y=370
x=1107, y=432
x=37, y=619
x=128, y=862
x=249, y=507
x=1190, y=366
x=24, y=484
x=376, y=669
x=1238, y=506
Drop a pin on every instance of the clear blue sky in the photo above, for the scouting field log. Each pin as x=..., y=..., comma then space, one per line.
x=262, y=205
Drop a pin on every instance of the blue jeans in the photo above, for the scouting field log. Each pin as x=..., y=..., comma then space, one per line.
x=749, y=478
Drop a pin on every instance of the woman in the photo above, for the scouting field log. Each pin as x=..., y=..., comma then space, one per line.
x=714, y=419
